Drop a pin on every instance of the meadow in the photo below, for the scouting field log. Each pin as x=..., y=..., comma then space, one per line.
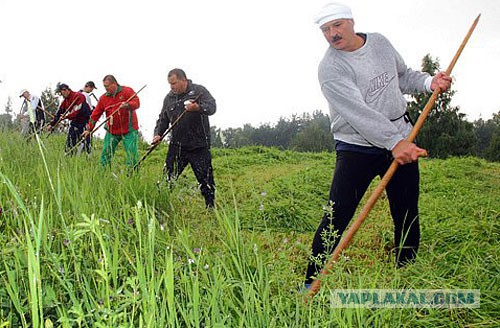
x=87, y=246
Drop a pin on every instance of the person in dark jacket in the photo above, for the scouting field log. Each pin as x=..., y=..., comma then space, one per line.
x=74, y=108
x=190, y=135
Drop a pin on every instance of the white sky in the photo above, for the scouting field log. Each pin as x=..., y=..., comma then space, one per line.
x=258, y=58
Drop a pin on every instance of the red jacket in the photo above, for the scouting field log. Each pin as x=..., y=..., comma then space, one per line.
x=125, y=119
x=78, y=113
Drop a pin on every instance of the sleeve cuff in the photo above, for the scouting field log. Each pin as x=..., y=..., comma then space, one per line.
x=394, y=142
x=427, y=83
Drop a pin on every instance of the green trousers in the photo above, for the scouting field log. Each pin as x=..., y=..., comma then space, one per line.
x=130, y=142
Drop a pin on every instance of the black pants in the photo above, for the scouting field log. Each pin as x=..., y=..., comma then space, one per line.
x=200, y=160
x=352, y=176
x=74, y=133
x=39, y=125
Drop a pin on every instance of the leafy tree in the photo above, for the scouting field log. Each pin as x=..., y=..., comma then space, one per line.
x=8, y=106
x=285, y=131
x=6, y=122
x=314, y=135
x=446, y=132
x=50, y=101
x=228, y=137
x=6, y=119
x=305, y=133
x=496, y=119
x=244, y=137
x=485, y=130
x=238, y=137
x=492, y=150
x=264, y=135
x=216, y=137
x=492, y=153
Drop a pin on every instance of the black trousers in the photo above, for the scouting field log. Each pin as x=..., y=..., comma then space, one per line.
x=352, y=176
x=200, y=160
x=74, y=133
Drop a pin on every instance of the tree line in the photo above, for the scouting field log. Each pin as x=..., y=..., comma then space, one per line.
x=445, y=133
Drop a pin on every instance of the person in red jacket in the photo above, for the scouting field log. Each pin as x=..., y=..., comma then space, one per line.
x=119, y=103
x=74, y=108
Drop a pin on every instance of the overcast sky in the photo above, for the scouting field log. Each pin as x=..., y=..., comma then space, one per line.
x=258, y=58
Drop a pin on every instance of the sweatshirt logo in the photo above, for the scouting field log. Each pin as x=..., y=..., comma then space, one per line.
x=377, y=86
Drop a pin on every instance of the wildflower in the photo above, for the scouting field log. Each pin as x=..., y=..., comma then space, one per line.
x=197, y=250
x=206, y=267
x=261, y=207
x=190, y=261
x=168, y=248
x=285, y=241
x=263, y=194
x=130, y=221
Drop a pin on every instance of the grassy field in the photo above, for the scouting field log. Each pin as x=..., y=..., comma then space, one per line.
x=85, y=246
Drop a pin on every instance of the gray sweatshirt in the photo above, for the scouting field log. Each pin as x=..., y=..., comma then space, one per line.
x=364, y=89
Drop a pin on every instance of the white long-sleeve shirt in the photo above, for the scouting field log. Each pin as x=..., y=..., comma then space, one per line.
x=34, y=101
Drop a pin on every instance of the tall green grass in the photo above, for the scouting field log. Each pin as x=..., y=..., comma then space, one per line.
x=86, y=246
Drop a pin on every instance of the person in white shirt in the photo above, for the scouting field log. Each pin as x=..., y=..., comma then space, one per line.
x=32, y=115
x=87, y=91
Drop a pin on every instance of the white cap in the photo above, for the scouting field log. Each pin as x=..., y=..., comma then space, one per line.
x=332, y=11
x=22, y=92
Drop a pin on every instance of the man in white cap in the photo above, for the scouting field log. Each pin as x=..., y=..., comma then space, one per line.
x=31, y=103
x=363, y=78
